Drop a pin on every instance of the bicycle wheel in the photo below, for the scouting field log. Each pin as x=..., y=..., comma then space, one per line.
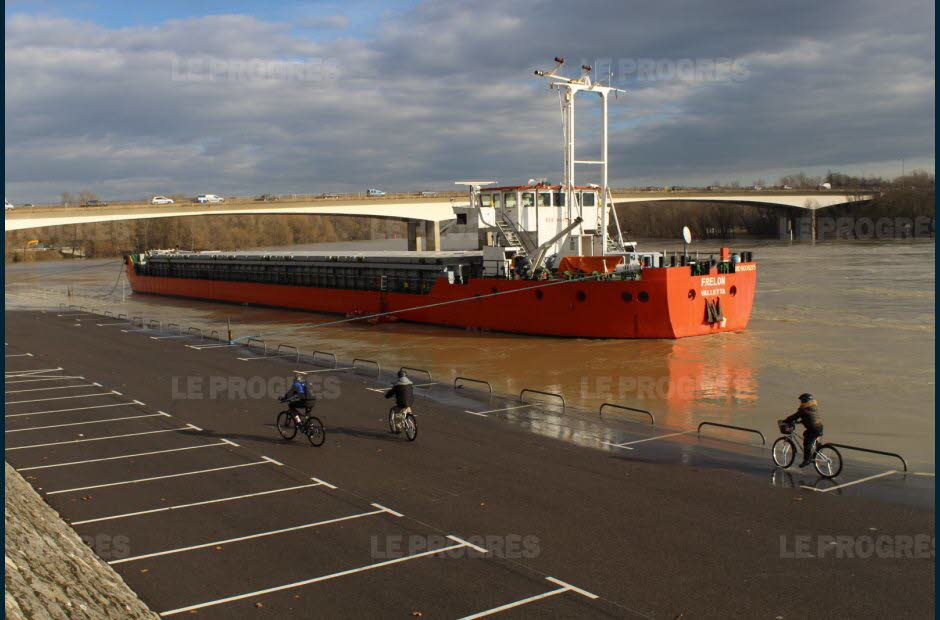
x=411, y=427
x=784, y=452
x=286, y=426
x=314, y=431
x=828, y=461
x=391, y=421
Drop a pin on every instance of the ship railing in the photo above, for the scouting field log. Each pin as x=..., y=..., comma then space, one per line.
x=357, y=363
x=420, y=371
x=460, y=381
x=319, y=355
x=870, y=451
x=264, y=345
x=522, y=394
x=284, y=347
x=736, y=428
x=600, y=410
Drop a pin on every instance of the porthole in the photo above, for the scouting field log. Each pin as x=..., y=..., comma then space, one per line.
x=643, y=296
x=627, y=296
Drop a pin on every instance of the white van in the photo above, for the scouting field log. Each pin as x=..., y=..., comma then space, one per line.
x=209, y=198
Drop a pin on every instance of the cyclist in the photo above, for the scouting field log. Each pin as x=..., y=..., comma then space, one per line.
x=808, y=416
x=404, y=394
x=298, y=396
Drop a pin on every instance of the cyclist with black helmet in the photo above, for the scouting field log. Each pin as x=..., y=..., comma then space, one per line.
x=808, y=416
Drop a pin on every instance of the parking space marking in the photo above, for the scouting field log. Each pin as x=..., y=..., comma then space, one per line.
x=11, y=374
x=383, y=390
x=924, y=473
x=270, y=460
x=565, y=587
x=62, y=443
x=19, y=355
x=459, y=544
x=310, y=372
x=193, y=504
x=324, y=483
x=58, y=387
x=124, y=456
x=43, y=428
x=388, y=510
x=169, y=337
x=214, y=543
x=498, y=410
x=114, y=323
x=42, y=400
x=853, y=482
x=152, y=478
x=265, y=357
x=626, y=444
x=200, y=347
x=19, y=415
x=59, y=378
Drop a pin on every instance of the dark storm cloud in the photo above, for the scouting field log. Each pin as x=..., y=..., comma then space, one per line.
x=231, y=104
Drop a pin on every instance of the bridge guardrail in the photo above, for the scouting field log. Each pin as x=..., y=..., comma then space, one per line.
x=600, y=410
x=462, y=380
x=869, y=450
x=522, y=394
x=378, y=368
x=737, y=428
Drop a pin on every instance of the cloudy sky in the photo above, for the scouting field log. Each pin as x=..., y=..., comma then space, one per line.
x=131, y=99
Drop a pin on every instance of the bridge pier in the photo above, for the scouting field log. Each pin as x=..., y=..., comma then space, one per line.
x=423, y=236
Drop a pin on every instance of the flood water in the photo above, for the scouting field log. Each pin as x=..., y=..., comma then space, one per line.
x=851, y=322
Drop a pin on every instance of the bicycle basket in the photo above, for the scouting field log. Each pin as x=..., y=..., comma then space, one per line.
x=785, y=428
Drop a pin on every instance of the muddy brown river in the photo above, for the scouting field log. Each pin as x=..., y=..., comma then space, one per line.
x=851, y=322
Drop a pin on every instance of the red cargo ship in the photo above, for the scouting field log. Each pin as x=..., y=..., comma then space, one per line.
x=533, y=259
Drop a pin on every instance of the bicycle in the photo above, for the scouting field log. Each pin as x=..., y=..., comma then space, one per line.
x=403, y=420
x=827, y=460
x=310, y=425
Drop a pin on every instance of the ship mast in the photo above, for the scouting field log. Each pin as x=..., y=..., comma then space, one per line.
x=569, y=87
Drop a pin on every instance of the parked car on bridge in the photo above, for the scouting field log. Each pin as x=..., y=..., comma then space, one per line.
x=374, y=193
x=7, y=205
x=95, y=203
x=329, y=195
x=161, y=200
x=209, y=198
x=267, y=197
x=428, y=194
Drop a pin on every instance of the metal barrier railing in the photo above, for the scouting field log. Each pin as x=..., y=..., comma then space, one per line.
x=288, y=346
x=881, y=452
x=378, y=369
x=522, y=394
x=600, y=410
x=418, y=370
x=737, y=428
x=321, y=354
x=264, y=350
x=462, y=380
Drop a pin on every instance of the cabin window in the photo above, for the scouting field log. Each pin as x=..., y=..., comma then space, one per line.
x=545, y=199
x=528, y=199
x=587, y=199
x=496, y=200
x=510, y=200
x=461, y=218
x=559, y=199
x=486, y=200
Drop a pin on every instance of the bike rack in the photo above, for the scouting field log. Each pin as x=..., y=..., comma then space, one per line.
x=264, y=350
x=418, y=370
x=600, y=410
x=330, y=356
x=62, y=307
x=83, y=308
x=894, y=454
x=737, y=428
x=288, y=346
x=72, y=308
x=122, y=316
x=522, y=394
x=462, y=380
x=153, y=322
x=378, y=369
x=108, y=314
x=138, y=318
x=179, y=330
x=216, y=336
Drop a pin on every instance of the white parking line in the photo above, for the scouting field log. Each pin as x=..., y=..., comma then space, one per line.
x=193, y=504
x=42, y=400
x=630, y=443
x=152, y=478
x=227, y=541
x=62, y=443
x=924, y=473
x=853, y=482
x=59, y=378
x=20, y=415
x=265, y=357
x=382, y=390
x=169, y=337
x=310, y=372
x=19, y=355
x=114, y=323
x=124, y=456
x=200, y=347
x=565, y=587
x=460, y=544
x=58, y=387
x=42, y=428
x=11, y=374
x=497, y=410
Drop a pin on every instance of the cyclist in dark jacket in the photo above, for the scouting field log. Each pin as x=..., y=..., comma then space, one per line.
x=403, y=391
x=299, y=396
x=808, y=416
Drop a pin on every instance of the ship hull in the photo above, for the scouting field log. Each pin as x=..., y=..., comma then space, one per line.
x=667, y=303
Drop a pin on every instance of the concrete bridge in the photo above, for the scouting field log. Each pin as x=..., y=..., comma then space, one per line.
x=810, y=201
